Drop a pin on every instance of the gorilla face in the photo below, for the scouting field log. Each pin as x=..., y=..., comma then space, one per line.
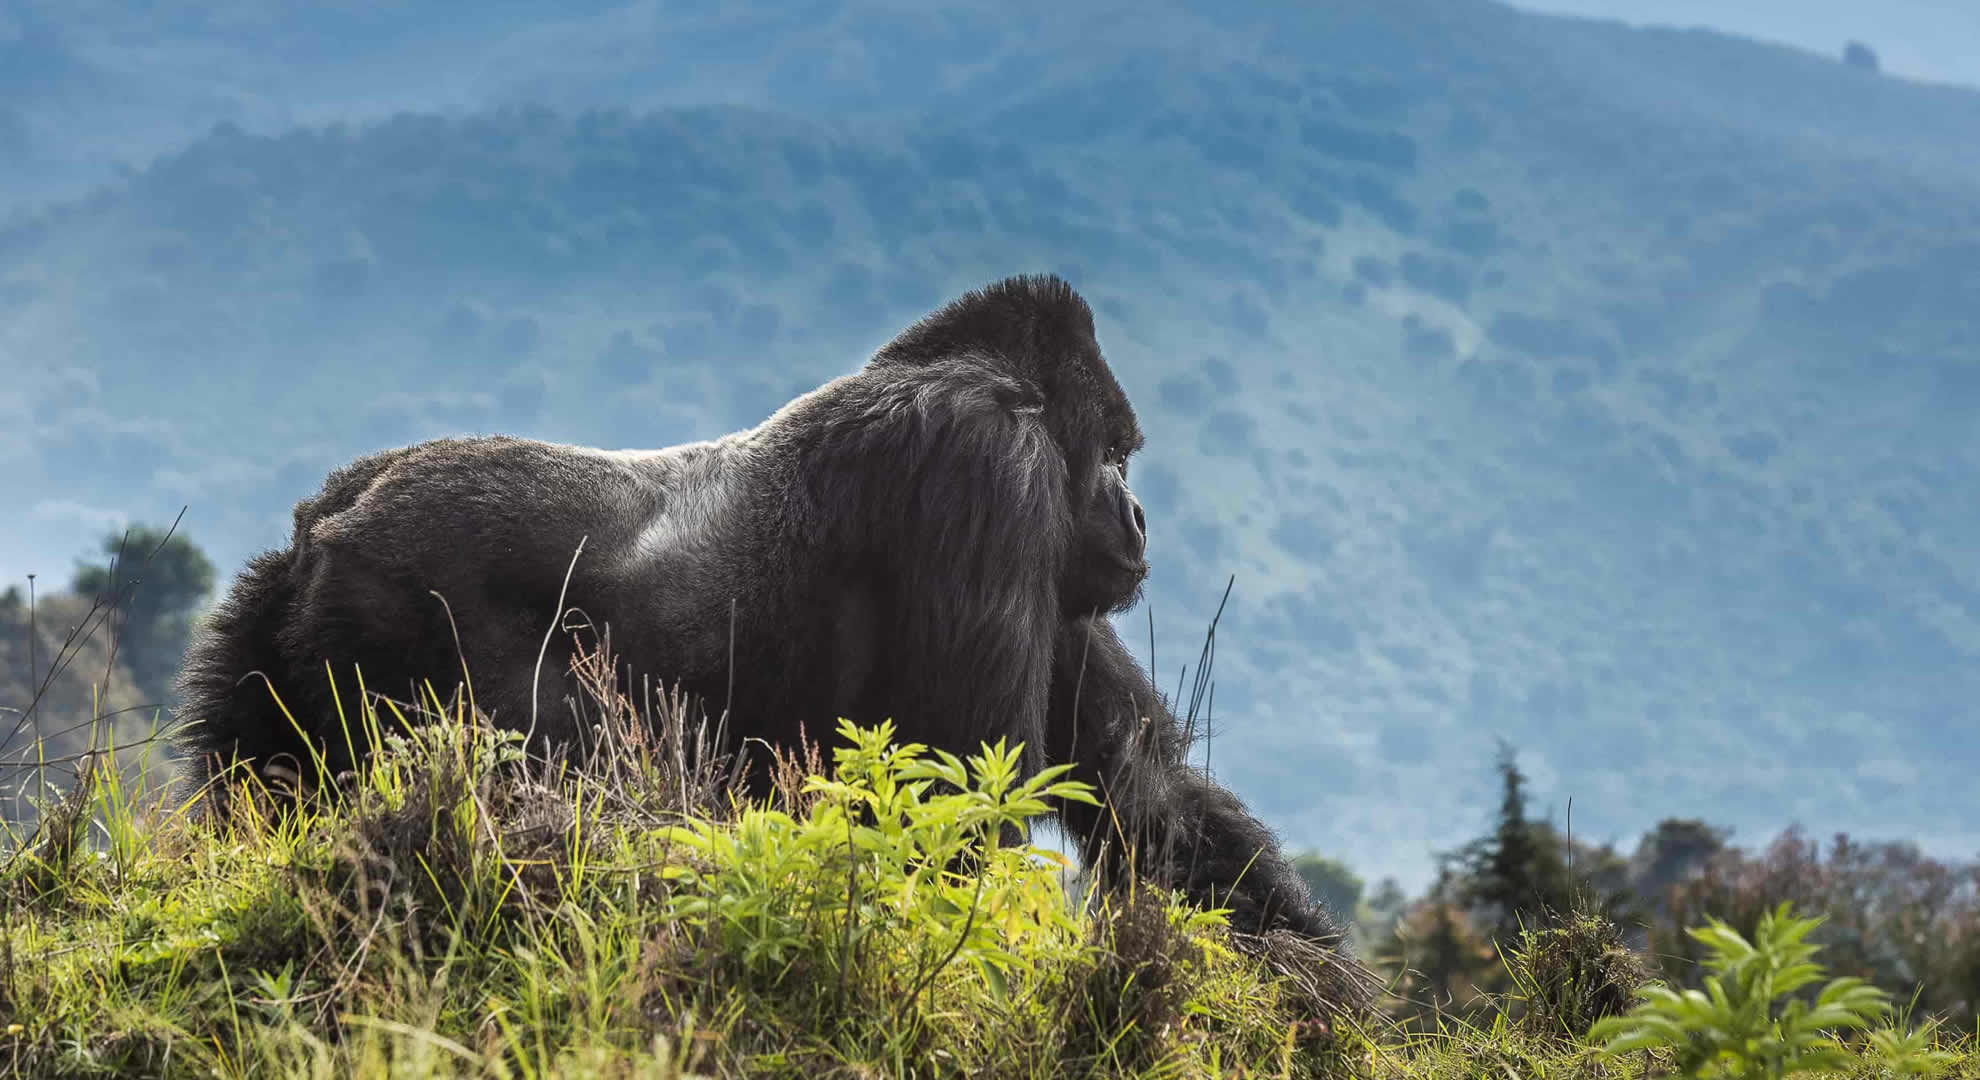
x=1111, y=540
x=1039, y=334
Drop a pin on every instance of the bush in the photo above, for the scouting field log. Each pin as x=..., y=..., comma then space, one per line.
x=1733, y=1027
x=864, y=889
x=1567, y=977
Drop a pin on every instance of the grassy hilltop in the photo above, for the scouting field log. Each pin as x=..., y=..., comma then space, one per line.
x=462, y=915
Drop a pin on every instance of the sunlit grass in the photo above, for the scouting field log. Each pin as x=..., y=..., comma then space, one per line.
x=462, y=911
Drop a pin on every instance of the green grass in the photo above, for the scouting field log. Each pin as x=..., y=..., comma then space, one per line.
x=464, y=914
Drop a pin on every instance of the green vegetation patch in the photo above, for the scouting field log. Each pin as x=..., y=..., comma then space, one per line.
x=460, y=911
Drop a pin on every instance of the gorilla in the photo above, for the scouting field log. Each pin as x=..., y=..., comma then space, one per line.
x=937, y=539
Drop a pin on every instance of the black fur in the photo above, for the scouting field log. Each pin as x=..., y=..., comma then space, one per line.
x=932, y=539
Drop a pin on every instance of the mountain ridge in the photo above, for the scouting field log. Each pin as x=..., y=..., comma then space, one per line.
x=1635, y=442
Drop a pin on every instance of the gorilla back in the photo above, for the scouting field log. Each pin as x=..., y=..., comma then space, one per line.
x=893, y=544
x=934, y=539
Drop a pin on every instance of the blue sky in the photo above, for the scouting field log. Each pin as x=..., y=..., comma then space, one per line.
x=1927, y=40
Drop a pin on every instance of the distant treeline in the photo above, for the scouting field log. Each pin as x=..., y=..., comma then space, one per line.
x=1894, y=917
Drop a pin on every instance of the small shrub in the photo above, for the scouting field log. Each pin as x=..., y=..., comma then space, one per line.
x=868, y=889
x=1733, y=1028
x=1568, y=977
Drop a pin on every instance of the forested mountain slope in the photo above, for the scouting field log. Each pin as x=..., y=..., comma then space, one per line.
x=1612, y=392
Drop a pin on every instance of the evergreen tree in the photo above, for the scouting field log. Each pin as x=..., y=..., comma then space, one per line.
x=1517, y=875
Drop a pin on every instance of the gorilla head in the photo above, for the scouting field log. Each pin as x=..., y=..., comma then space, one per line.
x=1038, y=334
x=933, y=539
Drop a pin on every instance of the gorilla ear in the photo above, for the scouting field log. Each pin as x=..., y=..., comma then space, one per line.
x=1018, y=396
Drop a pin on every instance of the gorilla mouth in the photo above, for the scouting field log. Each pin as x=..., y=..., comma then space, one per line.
x=1137, y=567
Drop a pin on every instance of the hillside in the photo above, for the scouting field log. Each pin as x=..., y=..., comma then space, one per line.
x=1606, y=391
x=91, y=86
x=458, y=913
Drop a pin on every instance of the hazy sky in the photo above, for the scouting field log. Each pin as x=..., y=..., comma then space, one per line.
x=1930, y=40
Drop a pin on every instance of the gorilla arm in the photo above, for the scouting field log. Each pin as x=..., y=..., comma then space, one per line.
x=940, y=486
x=1167, y=821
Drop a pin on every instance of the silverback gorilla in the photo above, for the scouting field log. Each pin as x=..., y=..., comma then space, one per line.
x=936, y=539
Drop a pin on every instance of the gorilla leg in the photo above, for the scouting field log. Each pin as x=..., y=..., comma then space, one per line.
x=1161, y=819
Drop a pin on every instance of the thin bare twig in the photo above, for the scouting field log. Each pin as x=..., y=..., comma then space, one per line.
x=536, y=673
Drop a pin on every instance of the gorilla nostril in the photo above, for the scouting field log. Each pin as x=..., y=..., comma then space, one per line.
x=1137, y=525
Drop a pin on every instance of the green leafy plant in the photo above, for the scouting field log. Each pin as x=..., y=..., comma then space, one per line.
x=899, y=864
x=1737, y=1027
